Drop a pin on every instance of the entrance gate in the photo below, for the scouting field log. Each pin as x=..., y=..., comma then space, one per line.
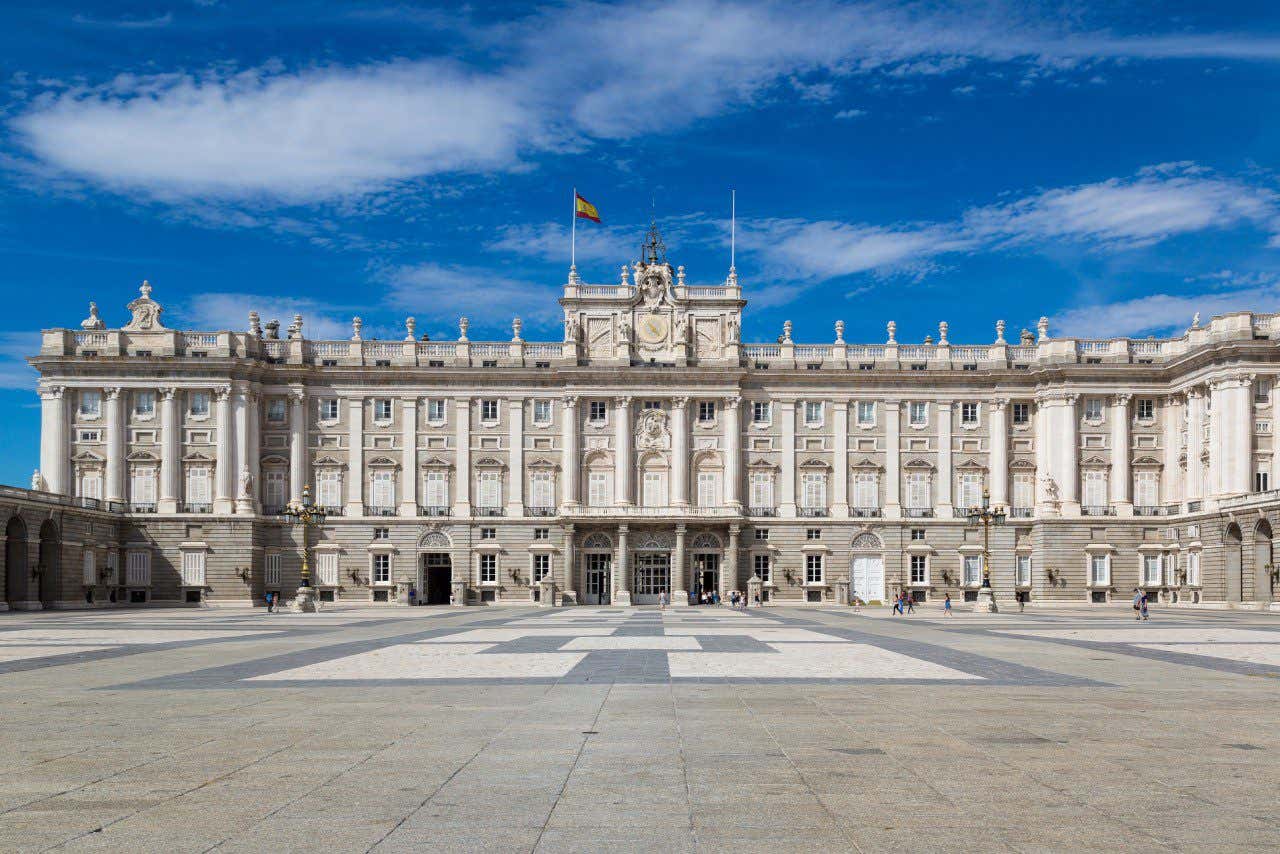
x=597, y=577
x=437, y=578
x=652, y=577
x=706, y=573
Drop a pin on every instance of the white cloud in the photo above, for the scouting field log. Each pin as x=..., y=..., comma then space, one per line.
x=125, y=23
x=1157, y=313
x=614, y=244
x=850, y=114
x=480, y=294
x=15, y=347
x=231, y=311
x=799, y=250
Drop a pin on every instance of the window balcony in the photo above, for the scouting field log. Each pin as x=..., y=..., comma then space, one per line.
x=964, y=512
x=865, y=512
x=814, y=512
x=1097, y=510
x=539, y=510
x=273, y=509
x=762, y=511
x=333, y=510
x=488, y=511
x=919, y=512
x=379, y=510
x=1021, y=512
x=196, y=507
x=1194, y=506
x=1150, y=510
x=136, y=507
x=433, y=510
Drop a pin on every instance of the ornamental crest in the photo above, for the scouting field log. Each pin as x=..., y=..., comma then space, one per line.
x=651, y=431
x=653, y=283
x=146, y=312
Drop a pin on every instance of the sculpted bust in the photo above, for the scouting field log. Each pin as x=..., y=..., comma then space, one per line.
x=651, y=431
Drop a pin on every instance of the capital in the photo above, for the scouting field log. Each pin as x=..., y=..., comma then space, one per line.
x=111, y=393
x=999, y=404
x=1122, y=399
x=679, y=402
x=167, y=393
x=52, y=392
x=622, y=401
x=733, y=401
x=222, y=392
x=570, y=400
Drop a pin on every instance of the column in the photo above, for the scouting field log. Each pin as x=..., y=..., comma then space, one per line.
x=170, y=453
x=253, y=452
x=225, y=485
x=733, y=452
x=892, y=459
x=515, y=456
x=621, y=581
x=1172, y=487
x=1121, y=494
x=1195, y=489
x=298, y=477
x=680, y=451
x=1240, y=472
x=622, y=464
x=462, y=456
x=569, y=450
x=1043, y=474
x=409, y=456
x=944, y=460
x=679, y=573
x=1068, y=431
x=355, y=456
x=240, y=411
x=568, y=591
x=54, y=454
x=998, y=467
x=787, y=486
x=1219, y=402
x=840, y=475
x=729, y=572
x=115, y=445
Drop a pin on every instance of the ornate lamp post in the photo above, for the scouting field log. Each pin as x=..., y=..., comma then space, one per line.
x=986, y=517
x=308, y=515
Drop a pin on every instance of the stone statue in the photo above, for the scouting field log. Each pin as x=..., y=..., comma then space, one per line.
x=682, y=330
x=246, y=483
x=1027, y=338
x=624, y=331
x=37, y=481
x=356, y=325
x=93, y=321
x=734, y=330
x=570, y=330
x=146, y=312
x=1195, y=320
x=1051, y=489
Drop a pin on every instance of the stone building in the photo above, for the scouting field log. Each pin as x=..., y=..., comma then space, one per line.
x=651, y=451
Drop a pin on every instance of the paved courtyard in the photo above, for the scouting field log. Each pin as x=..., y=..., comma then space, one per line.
x=592, y=729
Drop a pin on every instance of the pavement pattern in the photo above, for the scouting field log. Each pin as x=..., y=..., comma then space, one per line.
x=590, y=729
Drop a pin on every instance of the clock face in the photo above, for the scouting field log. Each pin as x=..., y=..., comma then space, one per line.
x=653, y=328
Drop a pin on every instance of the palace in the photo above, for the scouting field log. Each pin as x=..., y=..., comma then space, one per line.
x=650, y=451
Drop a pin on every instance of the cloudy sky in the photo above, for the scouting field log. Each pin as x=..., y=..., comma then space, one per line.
x=1114, y=170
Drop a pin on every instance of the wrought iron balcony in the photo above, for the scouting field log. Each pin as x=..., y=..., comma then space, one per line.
x=433, y=510
x=488, y=511
x=379, y=510
x=1097, y=510
x=1194, y=506
x=136, y=507
x=814, y=512
x=333, y=510
x=1021, y=512
x=1150, y=510
x=197, y=507
x=918, y=512
x=864, y=512
x=762, y=511
x=539, y=510
x=272, y=509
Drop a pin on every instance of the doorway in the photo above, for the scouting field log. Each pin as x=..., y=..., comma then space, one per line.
x=706, y=573
x=1233, y=558
x=652, y=577
x=597, y=578
x=868, y=578
x=15, y=561
x=50, y=562
x=437, y=579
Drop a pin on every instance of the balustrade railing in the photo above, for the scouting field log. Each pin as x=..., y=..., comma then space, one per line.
x=762, y=351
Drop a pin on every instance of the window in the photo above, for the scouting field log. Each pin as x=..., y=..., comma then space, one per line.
x=761, y=489
x=762, y=535
x=706, y=410
x=273, y=488
x=970, y=489
x=542, y=412
x=488, y=410
x=1023, y=569
x=761, y=566
x=597, y=412
x=760, y=411
x=90, y=404
x=542, y=489
x=137, y=569
x=382, y=533
x=382, y=569
x=89, y=569
x=1100, y=570
x=1146, y=409
x=1146, y=488
x=327, y=568
x=271, y=570
x=918, y=413
x=813, y=569
x=488, y=569
x=1095, y=487
x=708, y=489
x=382, y=409
x=329, y=409
x=143, y=487
x=969, y=413
x=813, y=534
x=866, y=490
x=436, y=410
x=329, y=488
x=1023, y=491
x=541, y=566
x=1093, y=408
x=653, y=489
x=866, y=413
x=488, y=533
x=1193, y=569
x=144, y=403
x=198, y=485
x=1150, y=570
x=1021, y=413
x=919, y=569
x=489, y=491
x=918, y=491
x=89, y=435
x=814, y=490
x=1260, y=481
x=812, y=413
x=382, y=490
x=972, y=570
x=652, y=404
x=91, y=485
x=435, y=488
x=542, y=533
x=198, y=405
x=275, y=410
x=598, y=489
x=917, y=533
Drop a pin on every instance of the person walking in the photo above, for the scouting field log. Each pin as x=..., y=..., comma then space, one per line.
x=662, y=601
x=270, y=603
x=911, y=603
x=897, y=605
x=413, y=596
x=946, y=606
x=1143, y=611
x=1137, y=604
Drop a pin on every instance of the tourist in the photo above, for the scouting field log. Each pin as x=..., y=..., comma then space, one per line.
x=413, y=596
x=911, y=603
x=1143, y=611
x=662, y=601
x=270, y=602
x=1137, y=604
x=897, y=605
x=946, y=606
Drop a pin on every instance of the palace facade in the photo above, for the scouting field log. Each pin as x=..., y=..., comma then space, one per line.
x=649, y=451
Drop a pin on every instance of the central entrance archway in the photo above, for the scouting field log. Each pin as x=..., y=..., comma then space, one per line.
x=706, y=551
x=50, y=562
x=867, y=570
x=435, y=569
x=597, y=569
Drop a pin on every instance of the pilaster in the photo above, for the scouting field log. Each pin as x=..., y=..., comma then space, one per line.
x=224, y=493
x=680, y=451
x=1121, y=496
x=945, y=477
x=622, y=462
x=408, y=457
x=355, y=456
x=787, y=486
x=171, y=453
x=998, y=468
x=515, y=456
x=892, y=459
x=840, y=476
x=462, y=456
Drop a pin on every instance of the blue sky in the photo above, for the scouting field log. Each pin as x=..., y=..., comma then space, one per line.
x=1112, y=169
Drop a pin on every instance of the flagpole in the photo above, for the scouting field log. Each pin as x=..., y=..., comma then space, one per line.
x=733, y=227
x=573, y=231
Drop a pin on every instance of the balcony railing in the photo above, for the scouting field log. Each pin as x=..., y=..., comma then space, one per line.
x=864, y=512
x=488, y=511
x=814, y=512
x=1152, y=509
x=272, y=509
x=762, y=511
x=539, y=510
x=1194, y=506
x=433, y=510
x=379, y=510
x=333, y=510
x=1097, y=510
x=919, y=512
x=196, y=507
x=141, y=507
x=1020, y=512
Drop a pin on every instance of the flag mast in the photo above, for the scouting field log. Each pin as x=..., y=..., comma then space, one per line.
x=573, y=232
x=733, y=227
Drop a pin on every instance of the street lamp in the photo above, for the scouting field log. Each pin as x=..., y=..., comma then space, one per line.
x=308, y=515
x=986, y=517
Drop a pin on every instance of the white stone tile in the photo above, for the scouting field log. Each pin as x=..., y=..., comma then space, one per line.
x=1146, y=633
x=760, y=634
x=633, y=643
x=501, y=635
x=118, y=637
x=810, y=661
x=420, y=661
x=1248, y=653
x=22, y=653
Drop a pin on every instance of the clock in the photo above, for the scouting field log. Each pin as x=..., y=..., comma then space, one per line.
x=653, y=328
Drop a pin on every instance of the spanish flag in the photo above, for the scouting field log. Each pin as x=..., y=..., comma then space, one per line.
x=584, y=209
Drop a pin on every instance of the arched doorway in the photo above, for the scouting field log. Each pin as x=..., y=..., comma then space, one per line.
x=651, y=567
x=706, y=551
x=867, y=570
x=435, y=569
x=1232, y=556
x=50, y=562
x=597, y=569
x=1262, y=561
x=17, y=574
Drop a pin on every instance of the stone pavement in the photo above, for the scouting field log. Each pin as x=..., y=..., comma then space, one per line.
x=591, y=729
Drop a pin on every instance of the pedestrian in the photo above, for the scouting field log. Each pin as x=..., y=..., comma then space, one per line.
x=270, y=602
x=1143, y=612
x=1137, y=604
x=662, y=601
x=1022, y=601
x=413, y=596
x=911, y=603
x=757, y=602
x=897, y=604
x=946, y=606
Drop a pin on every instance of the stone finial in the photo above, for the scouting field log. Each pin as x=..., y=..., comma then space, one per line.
x=37, y=481
x=463, y=326
x=928, y=339
x=145, y=289
x=786, y=332
x=892, y=327
x=942, y=332
x=146, y=312
x=1195, y=320
x=410, y=328
x=625, y=279
x=1027, y=338
x=839, y=331
x=1000, y=332
x=1043, y=328
x=273, y=330
x=356, y=325
x=680, y=276
x=255, y=324
x=295, y=329
x=93, y=321
x=517, y=325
